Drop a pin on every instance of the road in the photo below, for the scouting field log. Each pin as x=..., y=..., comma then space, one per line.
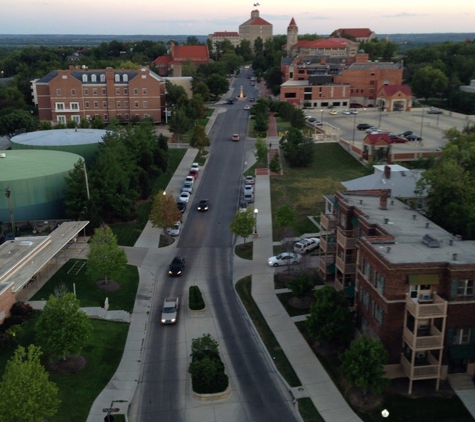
x=164, y=388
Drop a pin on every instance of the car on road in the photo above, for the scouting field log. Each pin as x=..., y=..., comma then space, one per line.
x=235, y=137
x=181, y=206
x=311, y=119
x=346, y=112
x=285, y=258
x=371, y=129
x=203, y=205
x=433, y=110
x=306, y=245
x=363, y=126
x=194, y=173
x=248, y=189
x=249, y=197
x=413, y=137
x=252, y=99
x=333, y=112
x=190, y=179
x=247, y=107
x=175, y=230
x=177, y=267
x=397, y=139
x=195, y=166
x=184, y=197
x=243, y=206
x=405, y=134
x=187, y=187
x=170, y=310
x=353, y=111
x=230, y=101
x=249, y=180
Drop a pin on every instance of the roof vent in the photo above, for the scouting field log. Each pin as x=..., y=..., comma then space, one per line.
x=429, y=241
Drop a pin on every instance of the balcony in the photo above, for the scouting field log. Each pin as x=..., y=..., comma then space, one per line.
x=324, y=263
x=345, y=267
x=327, y=246
x=434, y=339
x=421, y=372
x=327, y=221
x=436, y=309
x=346, y=239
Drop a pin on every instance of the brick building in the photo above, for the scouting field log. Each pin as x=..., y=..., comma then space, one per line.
x=179, y=55
x=359, y=34
x=216, y=38
x=412, y=282
x=254, y=28
x=76, y=93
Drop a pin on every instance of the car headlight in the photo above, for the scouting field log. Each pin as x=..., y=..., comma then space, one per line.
x=170, y=272
x=164, y=320
x=173, y=319
x=179, y=272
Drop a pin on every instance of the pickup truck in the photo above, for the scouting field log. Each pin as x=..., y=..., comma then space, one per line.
x=306, y=245
x=170, y=310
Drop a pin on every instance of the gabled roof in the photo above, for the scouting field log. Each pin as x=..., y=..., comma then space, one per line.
x=163, y=59
x=355, y=32
x=377, y=139
x=190, y=52
x=390, y=90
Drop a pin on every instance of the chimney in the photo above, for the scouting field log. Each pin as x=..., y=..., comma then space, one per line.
x=387, y=172
x=383, y=199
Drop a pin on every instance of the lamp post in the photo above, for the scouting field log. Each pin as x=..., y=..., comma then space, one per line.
x=255, y=220
x=354, y=124
x=422, y=121
x=8, y=192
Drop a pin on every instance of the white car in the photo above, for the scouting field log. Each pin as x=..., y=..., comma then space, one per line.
x=190, y=179
x=371, y=129
x=285, y=258
x=184, y=197
x=248, y=189
x=347, y=112
x=306, y=245
x=195, y=166
x=247, y=107
x=187, y=187
x=353, y=111
x=249, y=180
x=175, y=230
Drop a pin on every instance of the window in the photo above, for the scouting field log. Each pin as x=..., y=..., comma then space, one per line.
x=136, y=91
x=379, y=282
x=61, y=119
x=117, y=91
x=366, y=267
x=87, y=104
x=93, y=78
x=290, y=95
x=136, y=104
x=106, y=117
x=364, y=297
x=96, y=104
x=59, y=106
x=117, y=78
x=145, y=104
x=58, y=92
x=94, y=91
x=377, y=313
x=104, y=104
x=103, y=91
x=144, y=91
x=126, y=91
x=127, y=117
x=76, y=119
x=118, y=104
x=74, y=106
x=86, y=91
x=465, y=287
x=126, y=104
x=84, y=78
x=103, y=77
x=462, y=336
x=73, y=92
x=125, y=78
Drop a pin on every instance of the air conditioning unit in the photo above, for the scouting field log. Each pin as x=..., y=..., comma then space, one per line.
x=425, y=297
x=420, y=355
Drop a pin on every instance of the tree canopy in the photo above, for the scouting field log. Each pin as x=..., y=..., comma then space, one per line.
x=164, y=212
x=243, y=224
x=298, y=150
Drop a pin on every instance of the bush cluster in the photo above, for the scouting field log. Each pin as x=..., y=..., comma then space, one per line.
x=20, y=312
x=195, y=299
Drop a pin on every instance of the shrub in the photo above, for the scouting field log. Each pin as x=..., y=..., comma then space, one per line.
x=21, y=309
x=5, y=339
x=195, y=299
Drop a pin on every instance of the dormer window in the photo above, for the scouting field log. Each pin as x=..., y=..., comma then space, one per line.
x=93, y=78
x=84, y=78
x=103, y=77
x=125, y=78
x=117, y=78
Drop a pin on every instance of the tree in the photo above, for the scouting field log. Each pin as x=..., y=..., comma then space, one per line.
x=217, y=84
x=330, y=319
x=243, y=224
x=298, y=150
x=300, y=285
x=261, y=151
x=197, y=104
x=297, y=119
x=17, y=121
x=164, y=212
x=261, y=125
x=274, y=165
x=362, y=364
x=63, y=329
x=176, y=94
x=200, y=88
x=27, y=393
x=179, y=123
x=77, y=205
x=199, y=139
x=105, y=259
x=429, y=82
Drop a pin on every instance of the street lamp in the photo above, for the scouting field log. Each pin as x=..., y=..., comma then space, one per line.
x=8, y=192
x=354, y=124
x=255, y=220
x=422, y=121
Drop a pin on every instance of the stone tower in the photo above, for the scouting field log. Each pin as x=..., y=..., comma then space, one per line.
x=292, y=36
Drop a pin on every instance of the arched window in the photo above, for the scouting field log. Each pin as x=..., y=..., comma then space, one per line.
x=125, y=77
x=103, y=77
x=93, y=78
x=84, y=78
x=117, y=77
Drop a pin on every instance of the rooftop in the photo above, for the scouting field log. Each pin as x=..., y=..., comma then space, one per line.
x=63, y=137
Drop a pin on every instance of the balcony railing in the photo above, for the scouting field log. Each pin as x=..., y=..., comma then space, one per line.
x=419, y=372
x=435, y=340
x=436, y=309
x=345, y=239
x=327, y=221
x=327, y=246
x=324, y=262
x=345, y=268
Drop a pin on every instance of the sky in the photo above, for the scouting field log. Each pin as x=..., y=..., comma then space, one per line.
x=203, y=17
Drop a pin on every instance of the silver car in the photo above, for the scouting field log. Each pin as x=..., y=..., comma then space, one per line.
x=285, y=258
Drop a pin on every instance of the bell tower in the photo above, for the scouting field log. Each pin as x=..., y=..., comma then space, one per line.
x=292, y=36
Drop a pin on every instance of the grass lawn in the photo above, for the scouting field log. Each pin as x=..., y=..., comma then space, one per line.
x=308, y=411
x=128, y=233
x=292, y=311
x=303, y=188
x=244, y=250
x=77, y=392
x=88, y=293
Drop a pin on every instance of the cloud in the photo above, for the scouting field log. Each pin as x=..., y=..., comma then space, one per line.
x=403, y=15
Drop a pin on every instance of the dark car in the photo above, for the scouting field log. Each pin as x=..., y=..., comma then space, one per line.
x=231, y=101
x=405, y=134
x=176, y=267
x=203, y=205
x=397, y=139
x=252, y=99
x=181, y=206
x=413, y=138
x=363, y=126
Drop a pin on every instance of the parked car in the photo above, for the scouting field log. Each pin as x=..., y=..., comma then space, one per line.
x=249, y=180
x=194, y=173
x=311, y=119
x=184, y=197
x=346, y=112
x=187, y=187
x=285, y=258
x=243, y=206
x=433, y=110
x=397, y=139
x=189, y=179
x=363, y=126
x=170, y=310
x=333, y=112
x=248, y=189
x=203, y=205
x=413, y=137
x=371, y=129
x=181, y=206
x=306, y=245
x=175, y=230
x=230, y=101
x=235, y=137
x=176, y=267
x=249, y=197
x=405, y=134
x=353, y=111
x=195, y=166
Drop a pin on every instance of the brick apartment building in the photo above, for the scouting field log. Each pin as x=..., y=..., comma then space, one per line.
x=335, y=73
x=412, y=282
x=77, y=93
